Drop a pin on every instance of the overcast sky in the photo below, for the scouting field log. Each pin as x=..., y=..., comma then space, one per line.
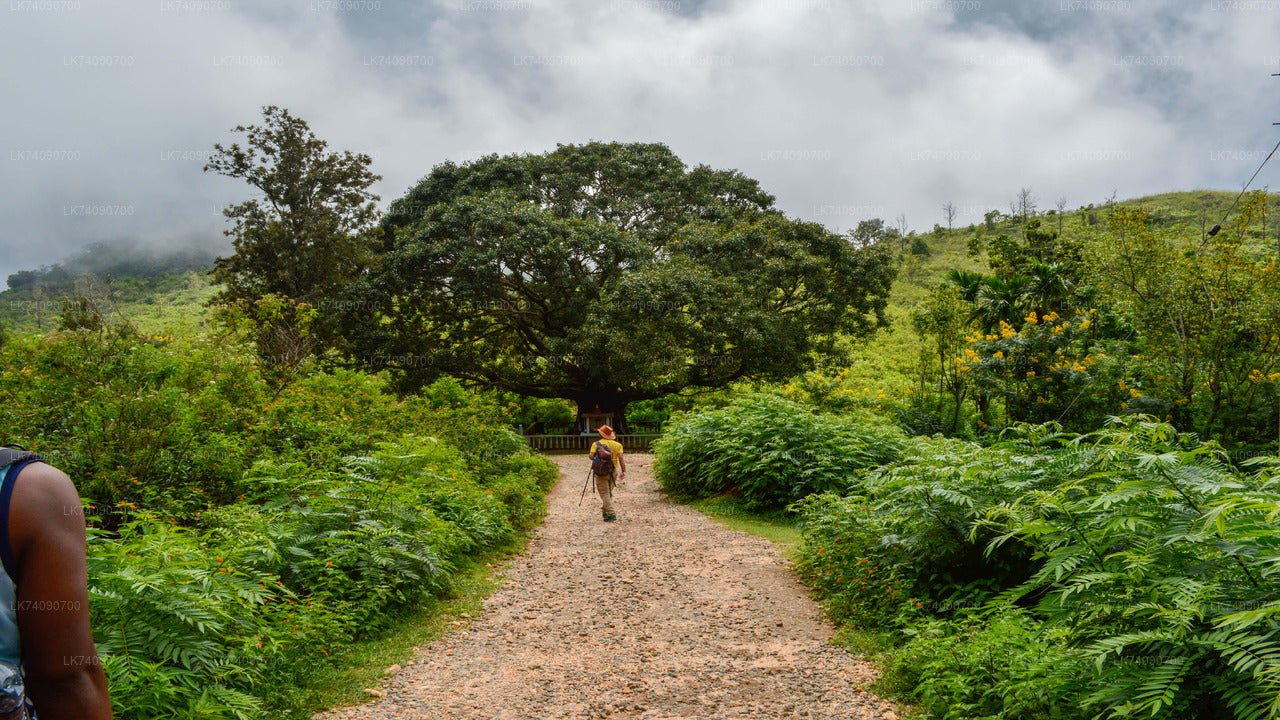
x=844, y=110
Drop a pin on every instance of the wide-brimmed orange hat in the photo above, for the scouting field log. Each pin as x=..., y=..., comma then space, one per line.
x=606, y=432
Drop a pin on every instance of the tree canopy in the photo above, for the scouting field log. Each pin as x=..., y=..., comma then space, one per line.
x=309, y=234
x=607, y=273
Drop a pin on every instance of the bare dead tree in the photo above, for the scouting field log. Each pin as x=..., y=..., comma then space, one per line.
x=1024, y=205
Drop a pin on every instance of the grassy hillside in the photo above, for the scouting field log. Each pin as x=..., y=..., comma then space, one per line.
x=160, y=305
x=887, y=362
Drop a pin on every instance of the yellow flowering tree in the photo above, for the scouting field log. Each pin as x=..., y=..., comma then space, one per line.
x=1053, y=368
x=1208, y=315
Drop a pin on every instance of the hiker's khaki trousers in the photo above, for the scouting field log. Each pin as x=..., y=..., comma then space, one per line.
x=604, y=486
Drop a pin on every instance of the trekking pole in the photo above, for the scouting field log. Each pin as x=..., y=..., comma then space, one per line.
x=584, y=487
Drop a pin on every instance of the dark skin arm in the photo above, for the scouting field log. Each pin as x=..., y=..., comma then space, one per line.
x=46, y=529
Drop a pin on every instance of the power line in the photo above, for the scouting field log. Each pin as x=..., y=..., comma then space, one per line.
x=1217, y=227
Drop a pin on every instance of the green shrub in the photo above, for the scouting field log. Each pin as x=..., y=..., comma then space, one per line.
x=240, y=535
x=183, y=631
x=997, y=669
x=769, y=450
x=1140, y=550
x=920, y=522
x=131, y=422
x=1160, y=558
x=234, y=615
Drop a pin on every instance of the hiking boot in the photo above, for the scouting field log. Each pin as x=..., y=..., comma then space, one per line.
x=610, y=517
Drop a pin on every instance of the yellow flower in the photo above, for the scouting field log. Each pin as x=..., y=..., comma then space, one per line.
x=1031, y=374
x=998, y=354
x=1032, y=318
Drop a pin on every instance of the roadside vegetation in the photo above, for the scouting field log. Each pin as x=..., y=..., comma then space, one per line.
x=246, y=539
x=1065, y=504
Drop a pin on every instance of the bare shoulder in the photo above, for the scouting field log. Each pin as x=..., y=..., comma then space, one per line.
x=40, y=484
x=44, y=499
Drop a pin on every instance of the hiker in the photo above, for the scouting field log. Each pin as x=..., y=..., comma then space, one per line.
x=47, y=657
x=606, y=459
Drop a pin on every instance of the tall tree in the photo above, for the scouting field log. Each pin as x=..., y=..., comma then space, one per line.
x=870, y=232
x=607, y=274
x=941, y=320
x=308, y=235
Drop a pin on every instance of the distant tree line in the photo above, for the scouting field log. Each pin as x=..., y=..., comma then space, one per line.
x=117, y=259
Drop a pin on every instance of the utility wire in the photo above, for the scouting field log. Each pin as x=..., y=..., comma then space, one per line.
x=1218, y=226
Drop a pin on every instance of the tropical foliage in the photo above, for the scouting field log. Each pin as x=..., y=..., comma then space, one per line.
x=1132, y=315
x=768, y=451
x=240, y=534
x=1144, y=561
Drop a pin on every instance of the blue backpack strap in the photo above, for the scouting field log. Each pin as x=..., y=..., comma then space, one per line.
x=12, y=461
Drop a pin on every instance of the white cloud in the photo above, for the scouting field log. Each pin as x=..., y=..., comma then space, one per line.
x=843, y=110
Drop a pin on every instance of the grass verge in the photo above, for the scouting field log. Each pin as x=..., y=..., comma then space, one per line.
x=728, y=510
x=342, y=681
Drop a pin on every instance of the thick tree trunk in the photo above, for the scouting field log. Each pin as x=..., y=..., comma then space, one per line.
x=984, y=406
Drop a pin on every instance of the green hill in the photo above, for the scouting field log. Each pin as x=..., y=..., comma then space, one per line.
x=888, y=361
x=160, y=304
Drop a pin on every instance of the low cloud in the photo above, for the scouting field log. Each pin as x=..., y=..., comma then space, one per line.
x=844, y=111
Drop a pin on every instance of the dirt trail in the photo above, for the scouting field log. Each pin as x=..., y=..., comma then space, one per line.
x=662, y=615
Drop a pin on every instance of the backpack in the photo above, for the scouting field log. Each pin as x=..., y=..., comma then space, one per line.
x=602, y=460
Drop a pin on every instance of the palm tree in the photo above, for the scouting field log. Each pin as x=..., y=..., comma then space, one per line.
x=1001, y=299
x=1048, y=288
x=968, y=282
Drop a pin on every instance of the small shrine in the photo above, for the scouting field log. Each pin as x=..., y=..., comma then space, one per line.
x=589, y=423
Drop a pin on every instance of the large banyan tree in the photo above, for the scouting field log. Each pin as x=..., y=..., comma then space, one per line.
x=606, y=273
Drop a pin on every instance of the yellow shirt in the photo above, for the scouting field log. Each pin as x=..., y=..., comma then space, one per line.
x=613, y=445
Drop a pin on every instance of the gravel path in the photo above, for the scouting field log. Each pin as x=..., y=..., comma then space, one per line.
x=664, y=614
